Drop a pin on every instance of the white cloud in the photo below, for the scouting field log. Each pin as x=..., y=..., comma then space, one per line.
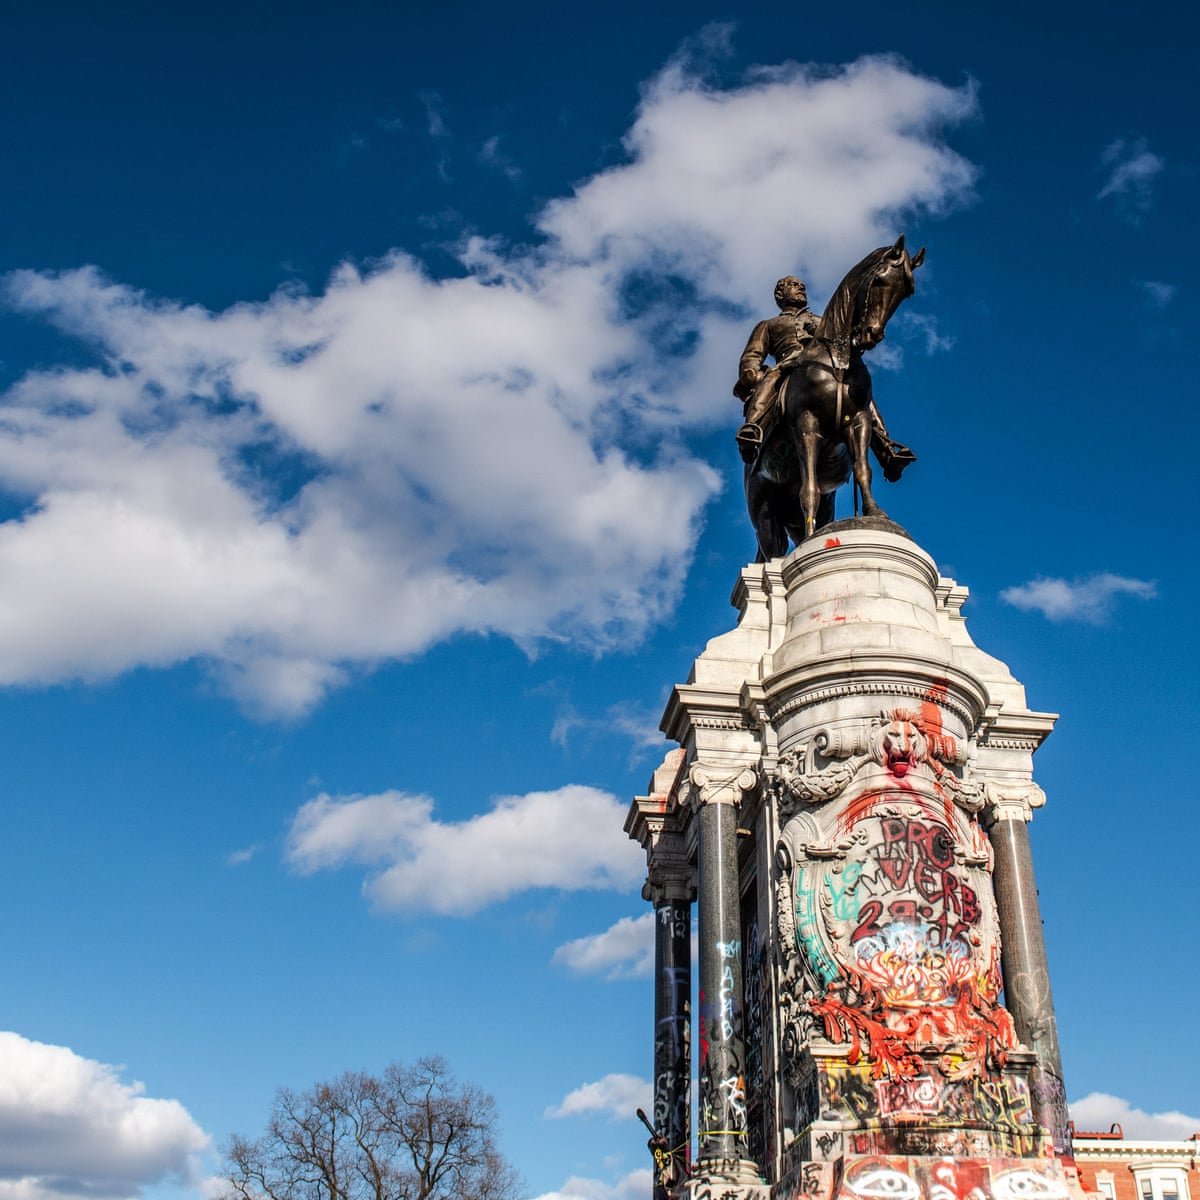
x=1157, y=295
x=69, y=1126
x=1132, y=169
x=1098, y=1111
x=491, y=154
x=624, y=950
x=1089, y=599
x=635, y=722
x=435, y=115
x=925, y=327
x=618, y=1095
x=295, y=489
x=570, y=839
x=239, y=858
x=634, y=1186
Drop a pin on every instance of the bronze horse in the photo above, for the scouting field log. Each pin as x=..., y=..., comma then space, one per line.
x=827, y=421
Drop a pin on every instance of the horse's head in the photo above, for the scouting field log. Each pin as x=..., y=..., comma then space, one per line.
x=885, y=286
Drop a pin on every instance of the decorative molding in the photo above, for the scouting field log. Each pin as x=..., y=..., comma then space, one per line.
x=1009, y=742
x=728, y=723
x=919, y=690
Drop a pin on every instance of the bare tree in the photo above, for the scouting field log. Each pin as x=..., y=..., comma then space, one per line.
x=414, y=1134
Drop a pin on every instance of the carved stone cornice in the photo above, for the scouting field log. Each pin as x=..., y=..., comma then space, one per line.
x=655, y=812
x=1026, y=744
x=645, y=820
x=692, y=706
x=1006, y=729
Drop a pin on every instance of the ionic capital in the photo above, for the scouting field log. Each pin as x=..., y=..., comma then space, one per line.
x=720, y=784
x=1011, y=801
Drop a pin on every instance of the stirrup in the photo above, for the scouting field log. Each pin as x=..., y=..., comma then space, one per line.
x=749, y=441
x=898, y=458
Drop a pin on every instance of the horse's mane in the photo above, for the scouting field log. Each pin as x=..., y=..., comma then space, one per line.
x=839, y=312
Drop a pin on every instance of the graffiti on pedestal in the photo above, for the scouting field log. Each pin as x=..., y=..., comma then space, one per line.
x=722, y=1074
x=887, y=923
x=752, y=988
x=851, y=1095
x=807, y=1181
x=906, y=1178
x=902, y=1177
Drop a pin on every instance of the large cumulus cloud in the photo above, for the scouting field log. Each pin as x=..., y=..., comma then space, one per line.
x=292, y=489
x=69, y=1127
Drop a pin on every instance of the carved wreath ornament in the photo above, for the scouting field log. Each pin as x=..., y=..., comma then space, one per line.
x=900, y=741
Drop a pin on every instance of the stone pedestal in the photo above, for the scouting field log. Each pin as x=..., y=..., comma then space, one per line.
x=852, y=785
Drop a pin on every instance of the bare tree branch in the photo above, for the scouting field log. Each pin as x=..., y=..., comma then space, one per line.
x=413, y=1134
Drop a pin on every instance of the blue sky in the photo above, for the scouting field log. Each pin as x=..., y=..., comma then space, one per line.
x=367, y=480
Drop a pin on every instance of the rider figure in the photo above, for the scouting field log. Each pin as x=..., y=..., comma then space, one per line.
x=785, y=338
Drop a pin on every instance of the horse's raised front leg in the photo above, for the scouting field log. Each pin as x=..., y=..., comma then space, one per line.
x=808, y=434
x=858, y=440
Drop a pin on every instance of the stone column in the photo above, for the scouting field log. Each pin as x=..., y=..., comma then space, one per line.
x=672, y=1028
x=722, y=1133
x=1023, y=953
x=654, y=822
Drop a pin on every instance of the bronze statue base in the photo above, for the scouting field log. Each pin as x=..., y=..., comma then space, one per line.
x=884, y=524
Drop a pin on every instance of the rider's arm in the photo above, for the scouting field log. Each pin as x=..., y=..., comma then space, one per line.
x=750, y=366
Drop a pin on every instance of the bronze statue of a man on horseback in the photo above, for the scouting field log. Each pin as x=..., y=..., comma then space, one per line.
x=810, y=419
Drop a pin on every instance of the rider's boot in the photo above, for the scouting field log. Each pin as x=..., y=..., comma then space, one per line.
x=893, y=456
x=749, y=440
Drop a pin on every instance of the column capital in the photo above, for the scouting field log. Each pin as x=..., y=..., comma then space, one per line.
x=669, y=880
x=720, y=783
x=1011, y=801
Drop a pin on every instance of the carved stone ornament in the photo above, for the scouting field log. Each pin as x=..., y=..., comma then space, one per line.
x=907, y=745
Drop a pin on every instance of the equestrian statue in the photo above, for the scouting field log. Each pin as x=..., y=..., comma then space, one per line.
x=811, y=417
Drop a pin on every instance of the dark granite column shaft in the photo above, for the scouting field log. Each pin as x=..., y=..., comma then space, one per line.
x=672, y=1033
x=722, y=1127
x=1027, y=973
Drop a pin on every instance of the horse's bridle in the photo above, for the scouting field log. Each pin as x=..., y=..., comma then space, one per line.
x=842, y=349
x=874, y=281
